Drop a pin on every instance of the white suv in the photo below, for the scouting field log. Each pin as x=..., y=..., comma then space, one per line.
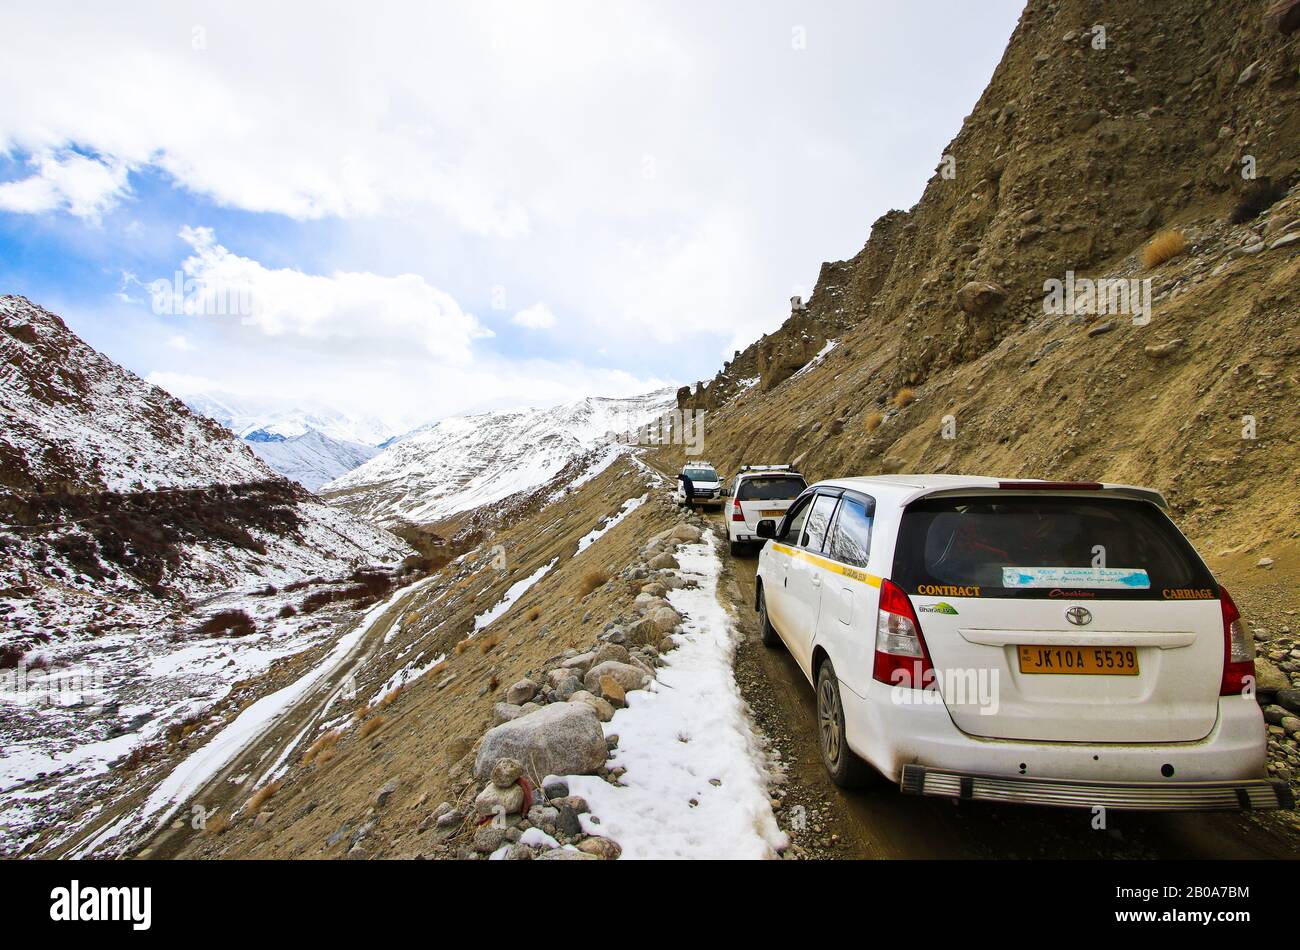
x=705, y=483
x=758, y=492
x=1054, y=643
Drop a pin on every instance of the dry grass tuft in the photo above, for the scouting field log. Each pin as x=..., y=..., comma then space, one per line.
x=904, y=397
x=874, y=420
x=261, y=797
x=488, y=643
x=371, y=726
x=591, y=580
x=1162, y=247
x=361, y=712
x=323, y=744
x=391, y=696
x=216, y=824
x=494, y=681
x=535, y=614
x=435, y=671
x=462, y=646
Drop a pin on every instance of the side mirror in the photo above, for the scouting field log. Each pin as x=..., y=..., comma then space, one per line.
x=766, y=529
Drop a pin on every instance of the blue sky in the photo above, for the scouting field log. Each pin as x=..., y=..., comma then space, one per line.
x=436, y=208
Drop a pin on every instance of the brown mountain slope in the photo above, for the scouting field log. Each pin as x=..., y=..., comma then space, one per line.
x=1073, y=158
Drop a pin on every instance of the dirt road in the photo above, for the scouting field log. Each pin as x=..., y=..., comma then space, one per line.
x=219, y=794
x=882, y=823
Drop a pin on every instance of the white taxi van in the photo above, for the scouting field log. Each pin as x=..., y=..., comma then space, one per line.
x=758, y=492
x=706, y=485
x=1054, y=643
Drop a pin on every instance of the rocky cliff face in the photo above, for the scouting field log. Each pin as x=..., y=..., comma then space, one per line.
x=1105, y=124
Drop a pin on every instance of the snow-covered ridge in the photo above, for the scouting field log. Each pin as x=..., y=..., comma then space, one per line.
x=310, y=446
x=463, y=462
x=132, y=495
x=312, y=459
x=257, y=422
x=71, y=418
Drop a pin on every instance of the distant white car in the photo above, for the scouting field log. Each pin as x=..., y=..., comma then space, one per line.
x=758, y=492
x=1049, y=643
x=705, y=482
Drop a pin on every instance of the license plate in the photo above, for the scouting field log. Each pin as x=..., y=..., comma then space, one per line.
x=772, y=514
x=1088, y=661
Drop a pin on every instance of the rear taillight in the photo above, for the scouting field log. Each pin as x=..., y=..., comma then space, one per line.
x=901, y=656
x=1238, y=650
x=736, y=513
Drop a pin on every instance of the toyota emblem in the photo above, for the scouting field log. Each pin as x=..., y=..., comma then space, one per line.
x=1079, y=616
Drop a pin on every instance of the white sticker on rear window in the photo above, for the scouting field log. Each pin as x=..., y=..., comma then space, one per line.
x=1106, y=578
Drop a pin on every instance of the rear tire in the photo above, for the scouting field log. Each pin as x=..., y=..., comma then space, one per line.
x=737, y=549
x=844, y=767
x=767, y=632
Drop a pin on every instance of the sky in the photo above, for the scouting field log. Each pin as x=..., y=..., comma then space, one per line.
x=412, y=210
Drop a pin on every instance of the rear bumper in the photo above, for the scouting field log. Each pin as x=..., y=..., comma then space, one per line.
x=1245, y=795
x=893, y=736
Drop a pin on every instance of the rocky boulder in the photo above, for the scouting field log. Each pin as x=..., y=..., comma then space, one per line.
x=625, y=674
x=686, y=532
x=560, y=739
x=978, y=296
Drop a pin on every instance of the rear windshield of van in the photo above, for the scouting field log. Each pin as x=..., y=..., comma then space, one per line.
x=1038, y=547
x=773, y=488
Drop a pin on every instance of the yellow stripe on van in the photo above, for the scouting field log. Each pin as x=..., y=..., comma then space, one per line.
x=852, y=573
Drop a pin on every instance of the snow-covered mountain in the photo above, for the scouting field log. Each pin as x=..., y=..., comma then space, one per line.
x=114, y=495
x=313, y=458
x=259, y=422
x=311, y=446
x=462, y=462
x=73, y=420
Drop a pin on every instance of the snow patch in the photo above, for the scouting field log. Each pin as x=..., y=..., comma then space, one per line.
x=688, y=731
x=517, y=590
x=821, y=355
x=591, y=537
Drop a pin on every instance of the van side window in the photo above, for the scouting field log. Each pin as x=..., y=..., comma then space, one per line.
x=794, y=520
x=819, y=520
x=850, y=541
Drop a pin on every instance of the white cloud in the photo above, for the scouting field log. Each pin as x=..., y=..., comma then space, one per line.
x=659, y=173
x=536, y=317
x=182, y=343
x=402, y=393
x=182, y=385
x=339, y=308
x=84, y=187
